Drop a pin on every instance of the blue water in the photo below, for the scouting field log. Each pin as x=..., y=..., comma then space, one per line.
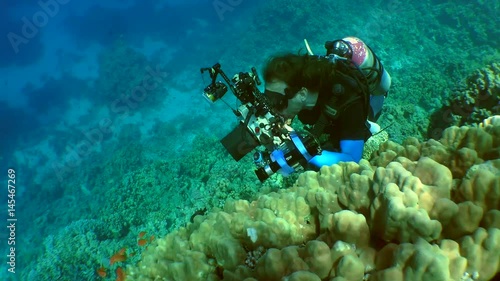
x=106, y=131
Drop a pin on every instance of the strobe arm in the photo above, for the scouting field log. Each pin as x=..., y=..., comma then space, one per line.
x=216, y=70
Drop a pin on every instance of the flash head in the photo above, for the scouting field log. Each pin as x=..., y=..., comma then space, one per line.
x=214, y=92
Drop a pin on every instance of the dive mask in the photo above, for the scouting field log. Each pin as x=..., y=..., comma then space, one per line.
x=277, y=100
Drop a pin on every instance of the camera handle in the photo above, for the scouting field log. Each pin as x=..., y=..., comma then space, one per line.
x=216, y=70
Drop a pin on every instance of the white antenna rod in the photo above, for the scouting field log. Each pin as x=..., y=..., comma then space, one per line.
x=308, y=48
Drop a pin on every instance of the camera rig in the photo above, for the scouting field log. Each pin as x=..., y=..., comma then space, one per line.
x=278, y=147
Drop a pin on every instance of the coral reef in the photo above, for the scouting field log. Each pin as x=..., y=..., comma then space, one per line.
x=84, y=238
x=140, y=185
x=131, y=187
x=373, y=143
x=416, y=211
x=471, y=101
x=127, y=78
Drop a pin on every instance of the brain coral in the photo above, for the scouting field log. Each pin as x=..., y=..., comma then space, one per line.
x=416, y=211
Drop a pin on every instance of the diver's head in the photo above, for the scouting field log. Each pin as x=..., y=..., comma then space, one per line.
x=294, y=81
x=286, y=101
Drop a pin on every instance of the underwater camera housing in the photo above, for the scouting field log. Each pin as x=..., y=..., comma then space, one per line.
x=282, y=150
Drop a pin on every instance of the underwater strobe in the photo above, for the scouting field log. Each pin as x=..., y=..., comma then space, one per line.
x=283, y=150
x=215, y=90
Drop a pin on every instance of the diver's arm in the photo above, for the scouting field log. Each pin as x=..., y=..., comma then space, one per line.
x=351, y=150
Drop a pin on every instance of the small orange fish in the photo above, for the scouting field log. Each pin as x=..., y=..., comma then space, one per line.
x=142, y=242
x=141, y=234
x=120, y=274
x=118, y=257
x=101, y=272
x=151, y=238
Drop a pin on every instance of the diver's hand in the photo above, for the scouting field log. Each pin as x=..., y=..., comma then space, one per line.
x=328, y=158
x=351, y=150
x=287, y=126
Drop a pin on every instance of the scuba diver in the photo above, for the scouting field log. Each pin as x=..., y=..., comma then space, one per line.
x=340, y=95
